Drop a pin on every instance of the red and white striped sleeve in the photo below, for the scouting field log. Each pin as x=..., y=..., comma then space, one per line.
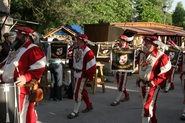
x=165, y=70
x=37, y=63
x=89, y=65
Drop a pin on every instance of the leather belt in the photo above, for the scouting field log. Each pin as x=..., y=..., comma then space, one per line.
x=77, y=70
x=144, y=82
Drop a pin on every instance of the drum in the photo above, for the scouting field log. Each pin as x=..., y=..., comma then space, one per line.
x=9, y=103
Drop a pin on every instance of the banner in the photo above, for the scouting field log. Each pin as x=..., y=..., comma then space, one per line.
x=173, y=53
x=59, y=50
x=123, y=60
x=104, y=50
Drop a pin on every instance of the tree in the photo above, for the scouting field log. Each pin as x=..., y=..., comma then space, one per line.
x=54, y=13
x=178, y=16
x=151, y=10
x=113, y=10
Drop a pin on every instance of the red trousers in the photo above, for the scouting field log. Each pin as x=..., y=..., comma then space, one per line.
x=149, y=98
x=121, y=78
x=27, y=111
x=80, y=92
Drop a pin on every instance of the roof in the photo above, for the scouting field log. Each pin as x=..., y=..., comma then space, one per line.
x=151, y=28
x=52, y=33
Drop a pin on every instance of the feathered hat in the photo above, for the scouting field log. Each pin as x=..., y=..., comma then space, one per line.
x=155, y=40
x=82, y=37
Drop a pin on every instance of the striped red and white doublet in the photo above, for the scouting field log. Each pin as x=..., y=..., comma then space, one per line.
x=83, y=60
x=154, y=68
x=31, y=63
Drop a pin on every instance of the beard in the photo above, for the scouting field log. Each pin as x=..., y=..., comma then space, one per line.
x=18, y=43
x=146, y=49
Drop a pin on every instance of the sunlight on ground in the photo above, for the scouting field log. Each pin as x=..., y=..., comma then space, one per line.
x=115, y=88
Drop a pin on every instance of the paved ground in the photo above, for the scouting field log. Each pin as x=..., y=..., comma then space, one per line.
x=169, y=106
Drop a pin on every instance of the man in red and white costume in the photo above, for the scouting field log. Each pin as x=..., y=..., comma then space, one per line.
x=84, y=65
x=24, y=64
x=121, y=77
x=154, y=68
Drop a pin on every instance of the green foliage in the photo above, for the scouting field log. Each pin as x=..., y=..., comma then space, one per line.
x=151, y=11
x=178, y=17
x=113, y=10
x=54, y=13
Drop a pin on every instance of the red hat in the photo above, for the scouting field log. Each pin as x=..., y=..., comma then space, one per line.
x=125, y=38
x=82, y=37
x=25, y=30
x=155, y=40
x=150, y=38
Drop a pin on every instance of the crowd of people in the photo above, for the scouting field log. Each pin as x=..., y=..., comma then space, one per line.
x=22, y=61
